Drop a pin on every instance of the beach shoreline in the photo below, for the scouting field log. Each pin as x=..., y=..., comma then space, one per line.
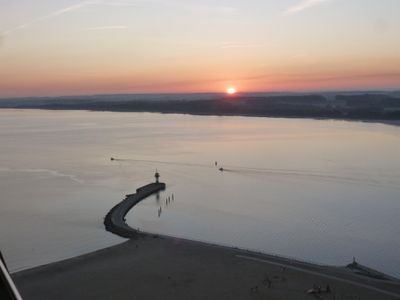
x=184, y=266
x=153, y=266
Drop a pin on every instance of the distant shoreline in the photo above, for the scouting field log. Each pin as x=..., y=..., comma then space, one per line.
x=392, y=122
x=365, y=107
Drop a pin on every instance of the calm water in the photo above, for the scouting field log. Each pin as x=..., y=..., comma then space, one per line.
x=323, y=191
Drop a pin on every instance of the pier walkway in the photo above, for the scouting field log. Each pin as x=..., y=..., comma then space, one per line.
x=115, y=219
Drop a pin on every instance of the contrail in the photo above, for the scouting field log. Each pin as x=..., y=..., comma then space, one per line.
x=303, y=5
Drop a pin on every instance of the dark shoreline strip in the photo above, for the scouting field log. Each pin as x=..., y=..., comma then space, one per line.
x=114, y=221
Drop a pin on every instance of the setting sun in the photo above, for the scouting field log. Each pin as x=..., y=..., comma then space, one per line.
x=231, y=90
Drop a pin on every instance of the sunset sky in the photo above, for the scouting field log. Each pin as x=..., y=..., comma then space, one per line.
x=70, y=47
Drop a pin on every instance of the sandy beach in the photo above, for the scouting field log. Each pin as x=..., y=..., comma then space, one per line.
x=157, y=267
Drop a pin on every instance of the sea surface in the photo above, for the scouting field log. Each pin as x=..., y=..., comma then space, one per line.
x=318, y=190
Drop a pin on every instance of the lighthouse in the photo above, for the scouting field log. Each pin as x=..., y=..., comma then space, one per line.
x=157, y=176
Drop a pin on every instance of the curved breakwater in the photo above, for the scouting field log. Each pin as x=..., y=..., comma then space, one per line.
x=114, y=221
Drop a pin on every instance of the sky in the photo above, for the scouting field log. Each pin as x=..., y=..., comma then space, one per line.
x=71, y=47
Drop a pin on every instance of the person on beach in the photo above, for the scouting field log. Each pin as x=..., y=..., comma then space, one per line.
x=267, y=281
x=328, y=289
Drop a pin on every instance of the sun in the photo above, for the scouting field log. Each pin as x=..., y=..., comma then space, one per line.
x=231, y=90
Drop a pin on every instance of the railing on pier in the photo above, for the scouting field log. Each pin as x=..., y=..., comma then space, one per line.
x=8, y=290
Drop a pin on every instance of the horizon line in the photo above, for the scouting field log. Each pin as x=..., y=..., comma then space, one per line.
x=311, y=91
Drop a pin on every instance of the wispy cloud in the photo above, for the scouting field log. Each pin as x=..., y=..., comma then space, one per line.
x=110, y=27
x=119, y=3
x=70, y=9
x=51, y=15
x=323, y=77
x=303, y=5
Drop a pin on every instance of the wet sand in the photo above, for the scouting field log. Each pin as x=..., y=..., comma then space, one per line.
x=157, y=267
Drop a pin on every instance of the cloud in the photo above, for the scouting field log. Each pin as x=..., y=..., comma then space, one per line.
x=110, y=27
x=51, y=15
x=68, y=9
x=303, y=5
x=120, y=3
x=300, y=77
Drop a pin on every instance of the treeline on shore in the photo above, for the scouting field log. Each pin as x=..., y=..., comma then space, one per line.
x=361, y=106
